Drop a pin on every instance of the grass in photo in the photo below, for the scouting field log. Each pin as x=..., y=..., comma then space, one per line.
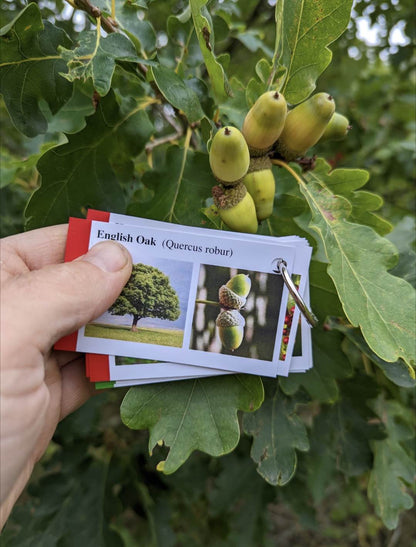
x=152, y=307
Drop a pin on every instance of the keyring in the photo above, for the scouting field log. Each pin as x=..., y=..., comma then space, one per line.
x=306, y=312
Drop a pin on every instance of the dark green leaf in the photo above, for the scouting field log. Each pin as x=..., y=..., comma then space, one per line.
x=399, y=373
x=177, y=93
x=80, y=173
x=329, y=365
x=393, y=467
x=192, y=415
x=278, y=432
x=30, y=68
x=180, y=185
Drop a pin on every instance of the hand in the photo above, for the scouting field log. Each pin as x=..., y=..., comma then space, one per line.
x=42, y=300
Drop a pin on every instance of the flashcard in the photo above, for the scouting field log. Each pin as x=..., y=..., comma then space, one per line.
x=301, y=265
x=176, y=275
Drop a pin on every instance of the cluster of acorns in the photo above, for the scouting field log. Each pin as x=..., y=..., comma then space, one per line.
x=230, y=322
x=240, y=160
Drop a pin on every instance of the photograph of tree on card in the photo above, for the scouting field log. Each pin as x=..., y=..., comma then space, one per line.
x=236, y=312
x=151, y=309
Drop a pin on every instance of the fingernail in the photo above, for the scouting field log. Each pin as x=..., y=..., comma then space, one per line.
x=109, y=256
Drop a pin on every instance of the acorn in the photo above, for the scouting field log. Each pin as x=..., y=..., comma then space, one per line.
x=260, y=184
x=305, y=125
x=229, y=157
x=240, y=284
x=236, y=208
x=264, y=122
x=230, y=325
x=229, y=299
x=337, y=128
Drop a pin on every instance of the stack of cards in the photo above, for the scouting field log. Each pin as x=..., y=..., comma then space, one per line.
x=200, y=302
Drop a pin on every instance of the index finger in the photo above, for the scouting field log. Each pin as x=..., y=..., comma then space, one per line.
x=39, y=248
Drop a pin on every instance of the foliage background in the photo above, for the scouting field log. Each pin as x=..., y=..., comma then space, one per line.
x=97, y=484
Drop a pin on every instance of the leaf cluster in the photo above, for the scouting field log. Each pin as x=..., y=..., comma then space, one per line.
x=116, y=113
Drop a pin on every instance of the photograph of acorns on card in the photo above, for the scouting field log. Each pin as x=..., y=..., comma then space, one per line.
x=236, y=312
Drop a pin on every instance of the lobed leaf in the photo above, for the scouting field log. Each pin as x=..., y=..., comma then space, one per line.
x=382, y=305
x=80, y=173
x=96, y=56
x=31, y=70
x=308, y=27
x=192, y=415
x=278, y=432
x=393, y=467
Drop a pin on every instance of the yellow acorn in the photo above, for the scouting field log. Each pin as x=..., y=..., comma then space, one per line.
x=305, y=125
x=264, y=122
x=230, y=325
x=236, y=208
x=229, y=157
x=260, y=184
x=337, y=128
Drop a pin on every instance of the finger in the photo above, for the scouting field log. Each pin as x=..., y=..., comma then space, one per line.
x=37, y=248
x=42, y=306
x=76, y=389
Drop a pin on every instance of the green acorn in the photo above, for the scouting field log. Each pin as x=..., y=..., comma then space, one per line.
x=240, y=284
x=236, y=208
x=229, y=157
x=305, y=125
x=260, y=184
x=230, y=325
x=264, y=122
x=229, y=299
x=337, y=128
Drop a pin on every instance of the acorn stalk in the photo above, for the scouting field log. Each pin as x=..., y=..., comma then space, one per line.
x=229, y=157
x=236, y=208
x=305, y=125
x=261, y=185
x=264, y=122
x=337, y=128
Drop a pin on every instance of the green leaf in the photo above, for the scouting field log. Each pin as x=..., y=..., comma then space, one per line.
x=308, y=27
x=329, y=365
x=80, y=173
x=192, y=415
x=177, y=93
x=96, y=57
x=382, y=305
x=180, y=185
x=399, y=373
x=205, y=32
x=30, y=68
x=278, y=432
x=393, y=467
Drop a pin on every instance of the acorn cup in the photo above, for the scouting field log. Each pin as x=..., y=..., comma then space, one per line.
x=337, y=128
x=261, y=185
x=229, y=157
x=236, y=208
x=264, y=122
x=230, y=325
x=305, y=125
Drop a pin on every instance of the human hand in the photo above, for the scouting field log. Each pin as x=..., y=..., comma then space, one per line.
x=42, y=300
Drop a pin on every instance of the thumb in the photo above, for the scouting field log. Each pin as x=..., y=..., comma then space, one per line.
x=58, y=299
